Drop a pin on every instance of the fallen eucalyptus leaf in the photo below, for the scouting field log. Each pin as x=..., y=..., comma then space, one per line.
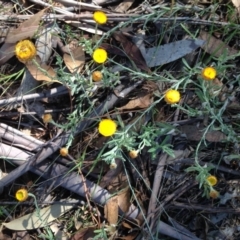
x=214, y=46
x=32, y=221
x=26, y=29
x=167, y=53
x=141, y=102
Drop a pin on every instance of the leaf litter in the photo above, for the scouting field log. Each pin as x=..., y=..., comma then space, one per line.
x=178, y=145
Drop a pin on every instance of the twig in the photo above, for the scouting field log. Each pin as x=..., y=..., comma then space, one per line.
x=156, y=186
x=51, y=93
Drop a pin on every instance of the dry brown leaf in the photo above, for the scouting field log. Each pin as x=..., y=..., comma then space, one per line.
x=196, y=133
x=124, y=199
x=109, y=176
x=130, y=236
x=215, y=46
x=41, y=71
x=236, y=3
x=111, y=210
x=74, y=57
x=142, y=102
x=84, y=234
x=26, y=29
x=132, y=51
x=124, y=6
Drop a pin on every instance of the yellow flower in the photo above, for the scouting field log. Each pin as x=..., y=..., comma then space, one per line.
x=63, y=152
x=99, y=55
x=133, y=154
x=209, y=73
x=100, y=17
x=211, y=180
x=97, y=76
x=47, y=117
x=107, y=127
x=113, y=165
x=21, y=195
x=172, y=96
x=214, y=194
x=25, y=50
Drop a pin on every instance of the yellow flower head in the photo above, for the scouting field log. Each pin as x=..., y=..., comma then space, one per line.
x=97, y=76
x=113, y=165
x=21, y=195
x=100, y=55
x=133, y=154
x=47, y=117
x=214, y=194
x=211, y=180
x=209, y=73
x=107, y=127
x=63, y=152
x=100, y=17
x=172, y=96
x=25, y=50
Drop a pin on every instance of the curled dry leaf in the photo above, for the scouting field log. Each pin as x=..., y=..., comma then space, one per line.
x=111, y=210
x=74, y=57
x=142, y=102
x=44, y=42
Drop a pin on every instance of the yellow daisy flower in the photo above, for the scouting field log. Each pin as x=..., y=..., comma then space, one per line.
x=47, y=117
x=133, y=154
x=209, y=73
x=172, y=96
x=97, y=76
x=63, y=152
x=100, y=17
x=107, y=127
x=25, y=50
x=100, y=55
x=21, y=195
x=211, y=180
